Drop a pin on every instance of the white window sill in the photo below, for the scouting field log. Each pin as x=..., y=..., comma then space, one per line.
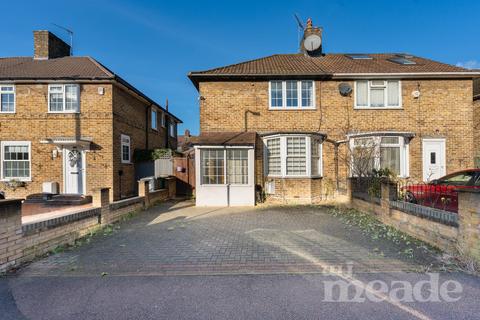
x=63, y=112
x=378, y=108
x=295, y=177
x=125, y=162
x=291, y=108
x=17, y=179
x=7, y=112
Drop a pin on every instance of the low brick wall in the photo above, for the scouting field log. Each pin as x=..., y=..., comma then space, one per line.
x=464, y=238
x=22, y=243
x=434, y=233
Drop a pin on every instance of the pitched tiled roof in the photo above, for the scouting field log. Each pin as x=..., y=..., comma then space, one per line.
x=225, y=139
x=327, y=65
x=68, y=68
x=18, y=68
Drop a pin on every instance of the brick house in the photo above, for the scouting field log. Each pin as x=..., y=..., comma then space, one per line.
x=71, y=121
x=299, y=116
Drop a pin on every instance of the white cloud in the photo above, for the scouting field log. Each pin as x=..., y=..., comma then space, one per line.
x=470, y=64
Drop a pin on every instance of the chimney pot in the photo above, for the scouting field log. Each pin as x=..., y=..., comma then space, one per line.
x=46, y=45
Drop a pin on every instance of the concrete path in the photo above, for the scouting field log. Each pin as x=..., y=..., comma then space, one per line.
x=177, y=261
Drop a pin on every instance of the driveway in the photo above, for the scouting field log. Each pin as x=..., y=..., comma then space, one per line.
x=178, y=261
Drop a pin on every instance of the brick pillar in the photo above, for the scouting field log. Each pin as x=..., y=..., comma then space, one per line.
x=101, y=198
x=349, y=190
x=144, y=191
x=387, y=194
x=469, y=223
x=11, y=244
x=171, y=186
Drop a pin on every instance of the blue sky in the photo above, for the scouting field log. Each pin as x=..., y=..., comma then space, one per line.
x=154, y=44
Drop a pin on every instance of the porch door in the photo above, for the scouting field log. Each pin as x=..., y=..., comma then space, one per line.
x=225, y=176
x=73, y=164
x=434, y=166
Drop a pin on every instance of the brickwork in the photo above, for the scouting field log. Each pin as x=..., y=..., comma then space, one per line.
x=476, y=124
x=20, y=244
x=444, y=109
x=102, y=117
x=469, y=222
x=48, y=46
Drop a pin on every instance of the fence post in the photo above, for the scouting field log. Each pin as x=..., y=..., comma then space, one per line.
x=386, y=196
x=11, y=244
x=144, y=191
x=101, y=198
x=469, y=223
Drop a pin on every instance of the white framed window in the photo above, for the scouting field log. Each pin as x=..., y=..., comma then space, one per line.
x=162, y=119
x=212, y=164
x=380, y=152
x=293, y=155
x=7, y=99
x=16, y=160
x=154, y=120
x=125, y=144
x=237, y=166
x=378, y=94
x=291, y=94
x=64, y=98
x=172, y=129
x=219, y=166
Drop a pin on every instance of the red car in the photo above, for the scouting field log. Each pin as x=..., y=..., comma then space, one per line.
x=440, y=193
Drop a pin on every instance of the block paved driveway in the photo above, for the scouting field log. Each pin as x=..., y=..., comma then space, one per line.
x=176, y=261
x=181, y=239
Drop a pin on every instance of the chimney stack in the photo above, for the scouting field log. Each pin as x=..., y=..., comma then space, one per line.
x=46, y=45
x=311, y=43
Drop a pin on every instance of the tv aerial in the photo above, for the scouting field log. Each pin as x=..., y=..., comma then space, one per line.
x=70, y=33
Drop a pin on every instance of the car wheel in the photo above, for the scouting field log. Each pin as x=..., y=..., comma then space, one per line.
x=409, y=197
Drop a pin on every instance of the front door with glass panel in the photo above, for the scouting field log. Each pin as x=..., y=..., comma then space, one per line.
x=73, y=170
x=433, y=159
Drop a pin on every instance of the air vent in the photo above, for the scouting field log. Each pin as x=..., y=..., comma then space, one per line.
x=359, y=56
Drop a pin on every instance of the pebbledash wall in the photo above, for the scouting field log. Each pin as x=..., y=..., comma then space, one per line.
x=21, y=243
x=444, y=110
x=103, y=118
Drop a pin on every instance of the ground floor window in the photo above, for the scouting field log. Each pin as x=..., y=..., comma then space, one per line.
x=16, y=157
x=221, y=166
x=293, y=155
x=374, y=152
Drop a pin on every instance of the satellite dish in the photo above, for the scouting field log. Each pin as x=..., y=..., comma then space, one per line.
x=345, y=89
x=312, y=42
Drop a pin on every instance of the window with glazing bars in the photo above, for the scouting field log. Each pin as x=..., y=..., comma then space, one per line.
x=237, y=166
x=296, y=156
x=212, y=166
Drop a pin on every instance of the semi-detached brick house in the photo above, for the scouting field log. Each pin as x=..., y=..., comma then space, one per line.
x=70, y=120
x=302, y=111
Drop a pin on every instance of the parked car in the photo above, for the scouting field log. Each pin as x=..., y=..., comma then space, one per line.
x=441, y=193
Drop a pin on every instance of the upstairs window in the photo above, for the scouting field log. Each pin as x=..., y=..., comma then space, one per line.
x=172, y=129
x=63, y=98
x=292, y=94
x=125, y=146
x=7, y=99
x=162, y=119
x=154, y=120
x=378, y=94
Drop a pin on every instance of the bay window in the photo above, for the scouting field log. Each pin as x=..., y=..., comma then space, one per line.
x=7, y=99
x=379, y=152
x=378, y=94
x=293, y=155
x=63, y=98
x=16, y=157
x=292, y=94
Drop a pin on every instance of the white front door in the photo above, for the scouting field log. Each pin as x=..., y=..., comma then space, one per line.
x=434, y=166
x=73, y=164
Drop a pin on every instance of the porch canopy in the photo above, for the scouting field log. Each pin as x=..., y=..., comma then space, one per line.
x=225, y=139
x=83, y=142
